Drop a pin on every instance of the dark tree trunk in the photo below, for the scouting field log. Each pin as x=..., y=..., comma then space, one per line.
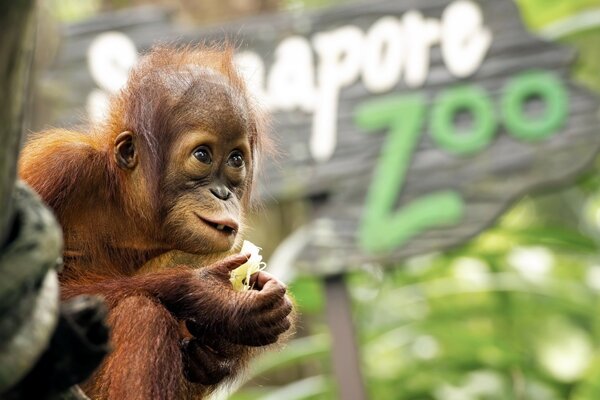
x=16, y=49
x=61, y=350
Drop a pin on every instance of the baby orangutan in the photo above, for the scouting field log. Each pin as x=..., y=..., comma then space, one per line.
x=170, y=170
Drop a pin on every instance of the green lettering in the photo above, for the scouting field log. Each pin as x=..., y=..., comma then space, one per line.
x=529, y=85
x=381, y=228
x=465, y=98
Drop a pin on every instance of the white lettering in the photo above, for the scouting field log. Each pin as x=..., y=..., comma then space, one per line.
x=340, y=54
x=384, y=55
x=252, y=68
x=392, y=48
x=465, y=41
x=422, y=33
x=110, y=56
x=292, y=78
x=97, y=105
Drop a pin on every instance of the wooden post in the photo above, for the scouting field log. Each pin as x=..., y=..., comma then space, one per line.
x=346, y=361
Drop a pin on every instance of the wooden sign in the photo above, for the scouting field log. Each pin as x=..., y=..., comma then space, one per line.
x=420, y=120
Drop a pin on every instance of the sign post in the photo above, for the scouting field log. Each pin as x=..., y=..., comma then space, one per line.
x=345, y=356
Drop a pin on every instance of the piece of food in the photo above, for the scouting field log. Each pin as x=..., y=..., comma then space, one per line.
x=240, y=277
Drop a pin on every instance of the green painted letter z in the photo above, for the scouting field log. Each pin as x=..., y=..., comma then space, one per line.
x=382, y=228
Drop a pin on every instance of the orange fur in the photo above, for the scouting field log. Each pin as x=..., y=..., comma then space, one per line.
x=117, y=219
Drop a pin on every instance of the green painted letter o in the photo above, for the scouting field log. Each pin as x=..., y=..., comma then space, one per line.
x=468, y=98
x=530, y=84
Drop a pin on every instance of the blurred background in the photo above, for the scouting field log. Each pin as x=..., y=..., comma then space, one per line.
x=514, y=313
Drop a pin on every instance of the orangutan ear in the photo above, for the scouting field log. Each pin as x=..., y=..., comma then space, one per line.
x=125, y=152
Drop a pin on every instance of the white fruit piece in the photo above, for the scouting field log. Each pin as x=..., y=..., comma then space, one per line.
x=240, y=277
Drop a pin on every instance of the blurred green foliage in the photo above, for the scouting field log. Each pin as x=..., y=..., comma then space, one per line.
x=587, y=67
x=511, y=315
x=539, y=13
x=71, y=10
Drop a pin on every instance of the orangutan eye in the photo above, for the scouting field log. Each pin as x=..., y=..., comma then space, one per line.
x=236, y=160
x=202, y=154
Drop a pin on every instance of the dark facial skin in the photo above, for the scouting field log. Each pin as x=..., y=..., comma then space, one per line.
x=208, y=171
